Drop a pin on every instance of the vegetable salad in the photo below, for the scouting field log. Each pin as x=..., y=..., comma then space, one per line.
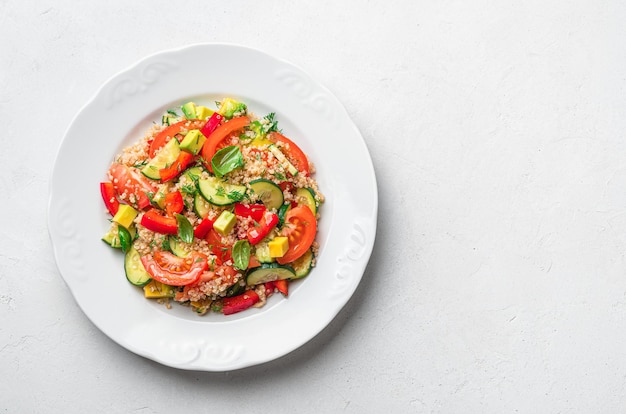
x=213, y=208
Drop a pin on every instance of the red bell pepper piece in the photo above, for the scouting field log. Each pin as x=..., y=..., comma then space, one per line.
x=174, y=203
x=178, y=166
x=254, y=211
x=212, y=123
x=265, y=225
x=153, y=220
x=282, y=286
x=203, y=228
x=110, y=199
x=238, y=303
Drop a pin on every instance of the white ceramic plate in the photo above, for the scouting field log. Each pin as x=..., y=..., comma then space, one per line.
x=118, y=115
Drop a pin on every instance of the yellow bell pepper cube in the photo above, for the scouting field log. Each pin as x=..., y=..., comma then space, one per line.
x=278, y=246
x=158, y=290
x=125, y=215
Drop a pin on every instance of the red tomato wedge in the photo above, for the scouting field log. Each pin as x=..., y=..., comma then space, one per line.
x=174, y=203
x=223, y=131
x=300, y=228
x=253, y=262
x=171, y=131
x=171, y=270
x=131, y=182
x=108, y=196
x=219, y=249
x=294, y=154
x=155, y=221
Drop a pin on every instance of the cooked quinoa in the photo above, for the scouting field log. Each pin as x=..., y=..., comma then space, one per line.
x=259, y=153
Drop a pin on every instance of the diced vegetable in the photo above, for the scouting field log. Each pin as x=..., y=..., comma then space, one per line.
x=230, y=107
x=278, y=246
x=239, y=303
x=109, y=197
x=193, y=141
x=265, y=225
x=225, y=223
x=125, y=215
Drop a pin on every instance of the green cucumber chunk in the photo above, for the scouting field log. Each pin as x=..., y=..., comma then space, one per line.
x=200, y=206
x=178, y=247
x=194, y=173
x=262, y=253
x=112, y=237
x=282, y=212
x=220, y=193
x=306, y=197
x=303, y=264
x=164, y=158
x=269, y=272
x=269, y=193
x=135, y=272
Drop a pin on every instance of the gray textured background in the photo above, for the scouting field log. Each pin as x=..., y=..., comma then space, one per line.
x=497, y=130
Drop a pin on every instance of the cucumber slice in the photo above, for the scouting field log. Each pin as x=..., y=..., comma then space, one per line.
x=194, y=172
x=221, y=193
x=164, y=158
x=262, y=253
x=135, y=272
x=306, y=197
x=112, y=237
x=270, y=194
x=269, y=272
x=282, y=212
x=200, y=206
x=178, y=247
x=303, y=264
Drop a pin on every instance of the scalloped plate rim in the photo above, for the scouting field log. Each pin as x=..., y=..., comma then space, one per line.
x=360, y=264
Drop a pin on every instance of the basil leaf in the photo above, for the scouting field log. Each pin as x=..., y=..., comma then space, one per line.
x=185, y=229
x=126, y=240
x=226, y=160
x=241, y=254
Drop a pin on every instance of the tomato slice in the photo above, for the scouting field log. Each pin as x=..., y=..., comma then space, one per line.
x=174, y=203
x=130, y=181
x=227, y=273
x=219, y=249
x=300, y=228
x=223, y=131
x=108, y=196
x=171, y=270
x=155, y=221
x=294, y=154
x=171, y=131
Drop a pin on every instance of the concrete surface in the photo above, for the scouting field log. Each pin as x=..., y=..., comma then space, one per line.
x=498, y=280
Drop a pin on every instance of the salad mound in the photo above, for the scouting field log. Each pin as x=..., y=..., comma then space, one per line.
x=213, y=208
